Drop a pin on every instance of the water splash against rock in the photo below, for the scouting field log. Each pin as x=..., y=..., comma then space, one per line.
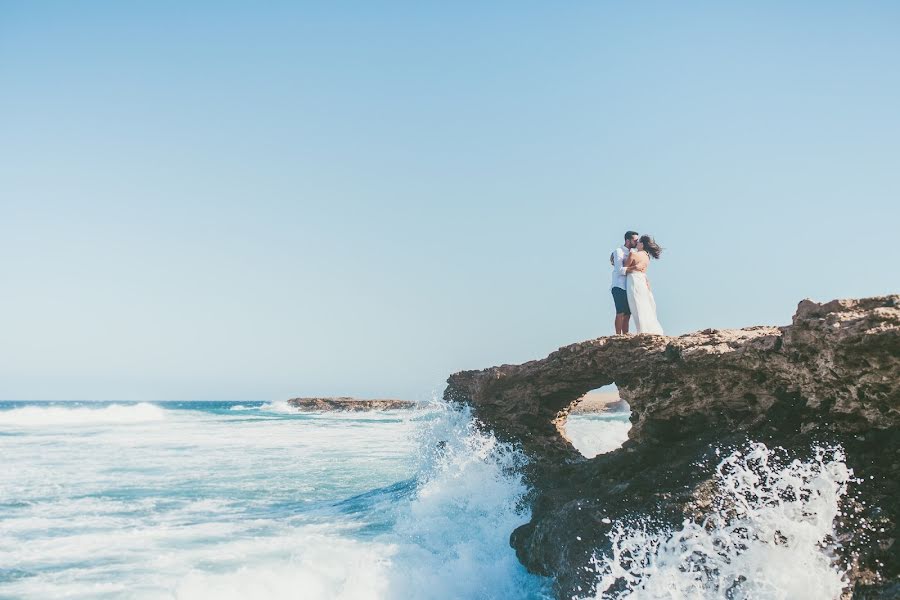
x=770, y=536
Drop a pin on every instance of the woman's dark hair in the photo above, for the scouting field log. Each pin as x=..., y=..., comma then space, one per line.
x=652, y=248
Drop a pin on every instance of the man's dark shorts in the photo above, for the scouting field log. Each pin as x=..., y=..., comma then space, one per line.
x=621, y=300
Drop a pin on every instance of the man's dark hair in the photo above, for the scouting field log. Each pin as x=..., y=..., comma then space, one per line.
x=630, y=234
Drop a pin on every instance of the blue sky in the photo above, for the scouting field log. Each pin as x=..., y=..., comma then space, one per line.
x=260, y=200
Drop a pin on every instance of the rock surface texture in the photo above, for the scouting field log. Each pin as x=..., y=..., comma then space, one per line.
x=831, y=377
x=348, y=404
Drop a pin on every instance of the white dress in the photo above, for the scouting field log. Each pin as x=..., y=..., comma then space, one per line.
x=642, y=304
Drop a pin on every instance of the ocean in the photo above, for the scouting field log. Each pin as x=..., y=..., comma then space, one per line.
x=253, y=500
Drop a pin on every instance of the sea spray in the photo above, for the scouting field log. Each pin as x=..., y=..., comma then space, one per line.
x=767, y=537
x=279, y=406
x=457, y=525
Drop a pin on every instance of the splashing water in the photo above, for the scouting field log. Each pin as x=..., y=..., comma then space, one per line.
x=448, y=539
x=196, y=500
x=768, y=538
x=279, y=406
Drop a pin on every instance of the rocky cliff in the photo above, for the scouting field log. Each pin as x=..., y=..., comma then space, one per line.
x=831, y=377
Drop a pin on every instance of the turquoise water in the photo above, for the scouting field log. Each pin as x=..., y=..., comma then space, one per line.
x=253, y=500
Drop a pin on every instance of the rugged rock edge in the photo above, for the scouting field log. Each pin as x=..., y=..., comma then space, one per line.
x=829, y=377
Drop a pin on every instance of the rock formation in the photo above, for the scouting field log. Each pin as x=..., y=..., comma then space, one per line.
x=832, y=376
x=348, y=404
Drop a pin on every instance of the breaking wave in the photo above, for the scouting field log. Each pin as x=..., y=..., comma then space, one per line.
x=279, y=406
x=450, y=538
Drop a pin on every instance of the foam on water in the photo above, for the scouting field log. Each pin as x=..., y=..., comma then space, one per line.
x=456, y=528
x=255, y=503
x=279, y=406
x=449, y=538
x=197, y=500
x=598, y=433
x=768, y=538
x=43, y=416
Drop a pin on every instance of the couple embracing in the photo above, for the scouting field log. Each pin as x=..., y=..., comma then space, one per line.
x=630, y=287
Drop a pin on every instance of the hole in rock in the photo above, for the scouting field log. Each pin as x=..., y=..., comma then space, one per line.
x=599, y=423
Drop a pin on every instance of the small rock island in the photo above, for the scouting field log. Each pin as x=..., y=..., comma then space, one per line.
x=346, y=403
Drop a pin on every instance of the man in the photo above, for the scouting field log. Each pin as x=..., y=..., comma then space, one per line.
x=620, y=297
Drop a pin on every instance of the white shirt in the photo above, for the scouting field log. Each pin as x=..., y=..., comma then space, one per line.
x=618, y=272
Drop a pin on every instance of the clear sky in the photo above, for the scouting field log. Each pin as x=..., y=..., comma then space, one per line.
x=246, y=200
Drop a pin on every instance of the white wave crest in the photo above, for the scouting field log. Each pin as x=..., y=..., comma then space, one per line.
x=768, y=537
x=40, y=416
x=453, y=536
x=279, y=406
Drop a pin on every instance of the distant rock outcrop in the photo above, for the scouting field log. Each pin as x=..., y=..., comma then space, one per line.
x=600, y=402
x=348, y=404
x=832, y=376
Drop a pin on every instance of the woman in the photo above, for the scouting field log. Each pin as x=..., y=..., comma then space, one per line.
x=640, y=298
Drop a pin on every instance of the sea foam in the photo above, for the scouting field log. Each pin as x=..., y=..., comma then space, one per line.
x=594, y=434
x=449, y=539
x=279, y=406
x=42, y=416
x=211, y=502
x=768, y=537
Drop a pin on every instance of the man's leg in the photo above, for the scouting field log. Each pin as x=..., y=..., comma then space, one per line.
x=621, y=301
